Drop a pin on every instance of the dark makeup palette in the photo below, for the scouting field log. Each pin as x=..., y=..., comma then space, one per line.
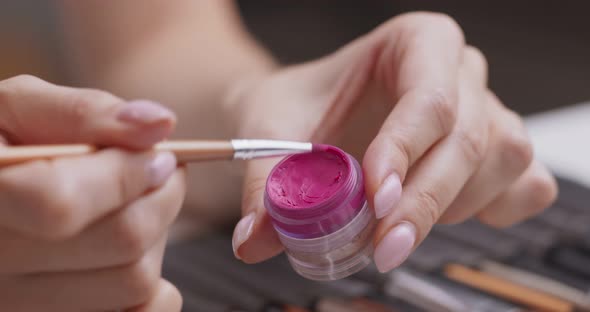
x=446, y=273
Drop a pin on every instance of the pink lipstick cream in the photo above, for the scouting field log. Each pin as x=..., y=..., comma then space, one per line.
x=318, y=207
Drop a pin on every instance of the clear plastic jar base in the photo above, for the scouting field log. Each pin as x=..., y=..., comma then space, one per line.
x=336, y=270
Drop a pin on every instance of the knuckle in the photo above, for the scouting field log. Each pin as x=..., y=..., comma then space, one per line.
x=429, y=206
x=472, y=144
x=446, y=23
x=516, y=151
x=132, y=232
x=14, y=85
x=543, y=192
x=125, y=186
x=81, y=102
x=129, y=174
x=440, y=22
x=55, y=214
x=56, y=217
x=140, y=281
x=439, y=104
x=443, y=104
x=403, y=146
x=476, y=57
x=397, y=144
x=22, y=81
x=79, y=106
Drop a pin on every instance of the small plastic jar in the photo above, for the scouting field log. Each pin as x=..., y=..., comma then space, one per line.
x=318, y=207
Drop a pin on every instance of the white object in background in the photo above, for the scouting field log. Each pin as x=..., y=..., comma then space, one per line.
x=561, y=140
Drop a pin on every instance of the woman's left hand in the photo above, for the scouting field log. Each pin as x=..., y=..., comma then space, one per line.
x=410, y=98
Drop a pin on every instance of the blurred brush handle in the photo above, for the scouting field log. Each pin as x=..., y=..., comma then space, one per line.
x=185, y=151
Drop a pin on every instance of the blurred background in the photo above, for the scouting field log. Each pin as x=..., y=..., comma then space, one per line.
x=539, y=54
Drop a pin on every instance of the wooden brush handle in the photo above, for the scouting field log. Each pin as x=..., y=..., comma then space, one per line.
x=185, y=151
x=190, y=151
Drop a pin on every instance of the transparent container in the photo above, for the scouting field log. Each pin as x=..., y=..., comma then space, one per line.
x=332, y=238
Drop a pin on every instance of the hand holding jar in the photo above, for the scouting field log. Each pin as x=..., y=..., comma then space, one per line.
x=411, y=100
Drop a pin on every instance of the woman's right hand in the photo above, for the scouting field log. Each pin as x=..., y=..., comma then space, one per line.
x=85, y=233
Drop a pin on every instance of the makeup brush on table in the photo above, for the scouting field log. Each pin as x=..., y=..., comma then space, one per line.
x=185, y=151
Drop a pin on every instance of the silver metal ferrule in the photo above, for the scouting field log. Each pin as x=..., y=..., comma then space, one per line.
x=248, y=149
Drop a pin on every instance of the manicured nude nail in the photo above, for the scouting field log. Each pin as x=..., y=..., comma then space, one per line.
x=387, y=195
x=395, y=247
x=145, y=112
x=242, y=232
x=161, y=168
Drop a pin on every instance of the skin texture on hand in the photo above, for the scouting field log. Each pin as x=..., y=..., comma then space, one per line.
x=185, y=54
x=85, y=233
x=410, y=99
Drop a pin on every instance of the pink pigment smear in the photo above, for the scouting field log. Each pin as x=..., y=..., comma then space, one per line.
x=308, y=180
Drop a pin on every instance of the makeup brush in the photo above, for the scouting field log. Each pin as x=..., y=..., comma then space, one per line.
x=185, y=150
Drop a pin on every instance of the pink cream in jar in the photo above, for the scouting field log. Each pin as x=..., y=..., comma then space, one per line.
x=318, y=207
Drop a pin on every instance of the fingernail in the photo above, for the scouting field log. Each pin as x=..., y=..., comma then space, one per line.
x=161, y=168
x=242, y=232
x=395, y=247
x=144, y=112
x=387, y=195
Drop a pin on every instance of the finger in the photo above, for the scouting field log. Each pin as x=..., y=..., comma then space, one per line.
x=435, y=180
x=167, y=298
x=424, y=52
x=254, y=238
x=96, y=290
x=121, y=238
x=509, y=154
x=57, y=199
x=33, y=111
x=534, y=191
x=475, y=60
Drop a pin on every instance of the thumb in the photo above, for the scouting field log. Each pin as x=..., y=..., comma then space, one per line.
x=254, y=237
x=33, y=111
